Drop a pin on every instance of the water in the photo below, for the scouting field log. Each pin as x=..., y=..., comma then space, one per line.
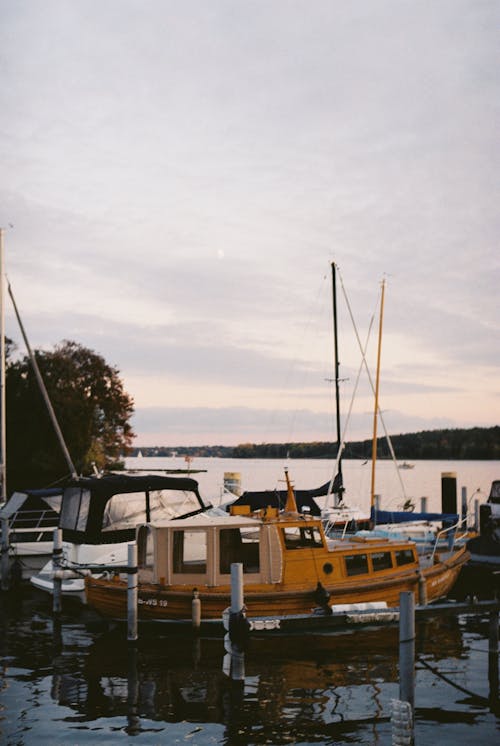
x=77, y=683
x=392, y=484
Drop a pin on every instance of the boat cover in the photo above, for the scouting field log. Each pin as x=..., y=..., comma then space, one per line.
x=277, y=499
x=403, y=516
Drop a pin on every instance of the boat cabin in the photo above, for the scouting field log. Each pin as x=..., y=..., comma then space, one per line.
x=293, y=552
x=106, y=510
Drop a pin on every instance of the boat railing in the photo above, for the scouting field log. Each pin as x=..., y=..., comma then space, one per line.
x=33, y=519
x=452, y=534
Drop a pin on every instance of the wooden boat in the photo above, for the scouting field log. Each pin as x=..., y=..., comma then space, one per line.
x=290, y=568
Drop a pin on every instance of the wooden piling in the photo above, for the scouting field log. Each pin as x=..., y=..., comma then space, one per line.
x=132, y=593
x=464, y=510
x=448, y=492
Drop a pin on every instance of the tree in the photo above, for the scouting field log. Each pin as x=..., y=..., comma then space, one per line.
x=91, y=406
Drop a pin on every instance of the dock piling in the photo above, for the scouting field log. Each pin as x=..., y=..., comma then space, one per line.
x=407, y=647
x=132, y=593
x=56, y=572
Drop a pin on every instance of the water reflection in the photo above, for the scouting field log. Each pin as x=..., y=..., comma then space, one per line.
x=326, y=688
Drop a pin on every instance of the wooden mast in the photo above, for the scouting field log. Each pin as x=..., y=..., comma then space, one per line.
x=375, y=412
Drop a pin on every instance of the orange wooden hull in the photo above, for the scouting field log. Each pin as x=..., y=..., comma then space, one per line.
x=174, y=603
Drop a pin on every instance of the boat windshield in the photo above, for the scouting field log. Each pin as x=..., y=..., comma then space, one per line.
x=298, y=537
x=130, y=508
x=75, y=509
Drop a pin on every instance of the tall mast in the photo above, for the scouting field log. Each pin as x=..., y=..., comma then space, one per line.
x=3, y=443
x=43, y=391
x=336, y=369
x=375, y=412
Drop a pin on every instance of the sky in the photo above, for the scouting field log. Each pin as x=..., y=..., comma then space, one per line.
x=178, y=177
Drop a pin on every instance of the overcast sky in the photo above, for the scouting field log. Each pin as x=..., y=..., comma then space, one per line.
x=177, y=178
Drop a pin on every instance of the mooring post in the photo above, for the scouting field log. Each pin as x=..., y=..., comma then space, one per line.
x=423, y=504
x=407, y=647
x=464, y=508
x=56, y=572
x=237, y=623
x=5, y=565
x=236, y=587
x=132, y=593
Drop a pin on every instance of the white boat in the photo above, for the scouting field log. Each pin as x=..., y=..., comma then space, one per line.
x=99, y=516
x=32, y=516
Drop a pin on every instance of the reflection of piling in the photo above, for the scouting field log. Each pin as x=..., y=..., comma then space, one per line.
x=134, y=723
x=4, y=570
x=493, y=656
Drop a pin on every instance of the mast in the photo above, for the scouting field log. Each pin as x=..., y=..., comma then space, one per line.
x=375, y=413
x=336, y=371
x=44, y=393
x=3, y=442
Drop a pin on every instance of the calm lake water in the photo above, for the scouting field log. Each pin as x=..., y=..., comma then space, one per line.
x=79, y=684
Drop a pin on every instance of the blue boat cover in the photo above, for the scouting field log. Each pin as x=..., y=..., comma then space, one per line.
x=404, y=516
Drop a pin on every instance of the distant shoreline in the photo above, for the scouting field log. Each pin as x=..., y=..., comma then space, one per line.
x=473, y=444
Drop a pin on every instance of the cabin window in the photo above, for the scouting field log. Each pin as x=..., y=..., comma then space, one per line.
x=239, y=545
x=190, y=552
x=404, y=557
x=356, y=564
x=75, y=509
x=381, y=561
x=300, y=537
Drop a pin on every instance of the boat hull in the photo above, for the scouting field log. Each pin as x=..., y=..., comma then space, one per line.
x=174, y=604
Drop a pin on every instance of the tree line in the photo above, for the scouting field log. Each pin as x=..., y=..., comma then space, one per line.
x=474, y=443
x=94, y=412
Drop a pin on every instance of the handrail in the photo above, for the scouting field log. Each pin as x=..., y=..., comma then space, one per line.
x=445, y=531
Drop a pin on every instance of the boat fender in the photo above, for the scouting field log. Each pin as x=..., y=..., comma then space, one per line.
x=321, y=596
x=239, y=629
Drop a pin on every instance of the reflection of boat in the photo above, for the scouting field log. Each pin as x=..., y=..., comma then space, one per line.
x=99, y=516
x=32, y=517
x=302, y=686
x=293, y=574
x=406, y=465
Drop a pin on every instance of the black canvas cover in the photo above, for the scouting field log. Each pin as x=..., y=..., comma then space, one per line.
x=277, y=499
